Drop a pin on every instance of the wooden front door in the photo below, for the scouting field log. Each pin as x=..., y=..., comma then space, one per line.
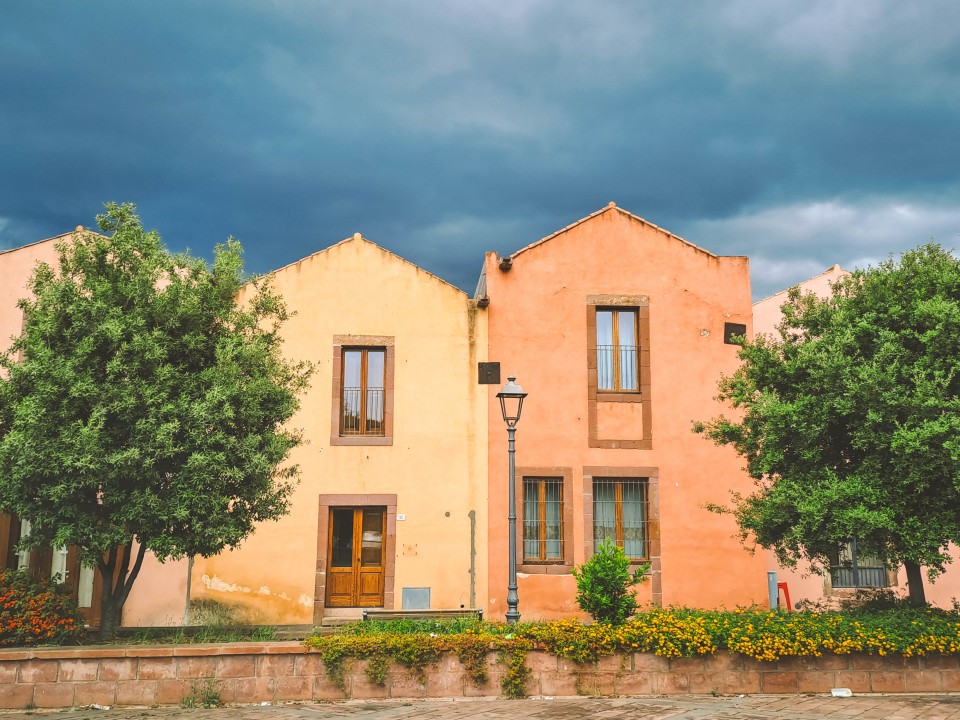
x=355, y=557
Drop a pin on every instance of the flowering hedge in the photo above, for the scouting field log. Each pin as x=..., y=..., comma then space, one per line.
x=762, y=635
x=674, y=632
x=679, y=632
x=34, y=613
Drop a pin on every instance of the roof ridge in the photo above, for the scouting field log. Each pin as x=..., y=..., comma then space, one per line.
x=611, y=206
x=353, y=238
x=835, y=266
x=79, y=228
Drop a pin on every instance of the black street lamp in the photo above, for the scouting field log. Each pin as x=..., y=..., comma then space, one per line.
x=511, y=402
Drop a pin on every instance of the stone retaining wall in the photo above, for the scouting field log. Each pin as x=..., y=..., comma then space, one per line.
x=286, y=671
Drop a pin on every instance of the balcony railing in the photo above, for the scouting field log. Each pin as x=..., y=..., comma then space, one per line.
x=362, y=411
x=617, y=367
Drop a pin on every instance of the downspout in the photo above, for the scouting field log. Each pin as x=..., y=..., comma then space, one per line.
x=473, y=558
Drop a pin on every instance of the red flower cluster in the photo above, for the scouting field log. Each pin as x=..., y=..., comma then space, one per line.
x=33, y=612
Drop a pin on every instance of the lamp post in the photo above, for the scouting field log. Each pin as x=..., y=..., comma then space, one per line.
x=511, y=402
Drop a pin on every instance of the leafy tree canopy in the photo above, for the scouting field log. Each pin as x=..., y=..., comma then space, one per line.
x=849, y=420
x=143, y=405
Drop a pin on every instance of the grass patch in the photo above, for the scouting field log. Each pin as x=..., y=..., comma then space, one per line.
x=186, y=635
x=205, y=611
x=204, y=694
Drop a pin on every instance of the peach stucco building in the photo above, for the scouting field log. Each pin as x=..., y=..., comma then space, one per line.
x=766, y=312
x=802, y=583
x=618, y=331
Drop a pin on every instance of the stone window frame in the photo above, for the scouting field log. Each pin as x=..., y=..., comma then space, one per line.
x=652, y=476
x=346, y=342
x=559, y=567
x=641, y=304
x=328, y=501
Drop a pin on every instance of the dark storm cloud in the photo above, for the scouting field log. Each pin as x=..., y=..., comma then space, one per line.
x=801, y=134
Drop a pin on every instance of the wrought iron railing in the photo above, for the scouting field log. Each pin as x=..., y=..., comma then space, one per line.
x=617, y=367
x=854, y=569
x=859, y=577
x=362, y=411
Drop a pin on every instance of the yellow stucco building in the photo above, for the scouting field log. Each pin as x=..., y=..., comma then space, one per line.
x=391, y=507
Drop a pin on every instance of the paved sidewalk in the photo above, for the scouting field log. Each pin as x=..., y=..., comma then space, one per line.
x=751, y=707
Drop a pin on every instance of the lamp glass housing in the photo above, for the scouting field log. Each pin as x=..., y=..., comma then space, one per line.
x=511, y=401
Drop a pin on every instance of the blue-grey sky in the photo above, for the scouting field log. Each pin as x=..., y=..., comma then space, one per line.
x=801, y=134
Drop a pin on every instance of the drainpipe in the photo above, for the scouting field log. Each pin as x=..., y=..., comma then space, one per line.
x=772, y=590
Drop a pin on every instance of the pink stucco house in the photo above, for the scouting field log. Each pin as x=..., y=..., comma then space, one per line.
x=618, y=331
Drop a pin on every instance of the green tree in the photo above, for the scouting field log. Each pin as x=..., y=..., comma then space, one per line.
x=143, y=408
x=604, y=584
x=849, y=421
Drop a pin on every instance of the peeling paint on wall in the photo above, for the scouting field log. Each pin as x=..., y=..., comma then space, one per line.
x=215, y=583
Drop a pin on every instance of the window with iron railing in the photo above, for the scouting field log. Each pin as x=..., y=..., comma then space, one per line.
x=542, y=520
x=852, y=568
x=620, y=514
x=617, y=350
x=362, y=392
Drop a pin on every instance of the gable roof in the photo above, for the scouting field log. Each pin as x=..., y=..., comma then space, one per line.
x=835, y=270
x=71, y=233
x=610, y=206
x=357, y=237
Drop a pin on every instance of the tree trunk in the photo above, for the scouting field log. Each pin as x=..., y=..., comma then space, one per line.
x=918, y=597
x=109, y=613
x=118, y=578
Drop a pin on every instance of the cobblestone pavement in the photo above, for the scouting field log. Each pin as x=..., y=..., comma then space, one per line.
x=751, y=707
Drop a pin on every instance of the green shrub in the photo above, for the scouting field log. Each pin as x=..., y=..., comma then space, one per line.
x=451, y=626
x=604, y=582
x=33, y=612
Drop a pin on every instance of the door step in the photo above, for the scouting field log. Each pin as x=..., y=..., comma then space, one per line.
x=338, y=620
x=335, y=617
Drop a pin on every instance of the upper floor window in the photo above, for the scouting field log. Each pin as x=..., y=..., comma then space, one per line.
x=617, y=367
x=362, y=391
x=363, y=382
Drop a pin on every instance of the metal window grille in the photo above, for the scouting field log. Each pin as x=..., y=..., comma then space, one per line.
x=620, y=514
x=853, y=569
x=542, y=520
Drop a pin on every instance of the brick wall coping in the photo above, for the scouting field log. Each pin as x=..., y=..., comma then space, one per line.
x=247, y=672
x=155, y=651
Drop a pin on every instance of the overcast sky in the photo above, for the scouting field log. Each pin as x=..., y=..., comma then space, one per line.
x=802, y=134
